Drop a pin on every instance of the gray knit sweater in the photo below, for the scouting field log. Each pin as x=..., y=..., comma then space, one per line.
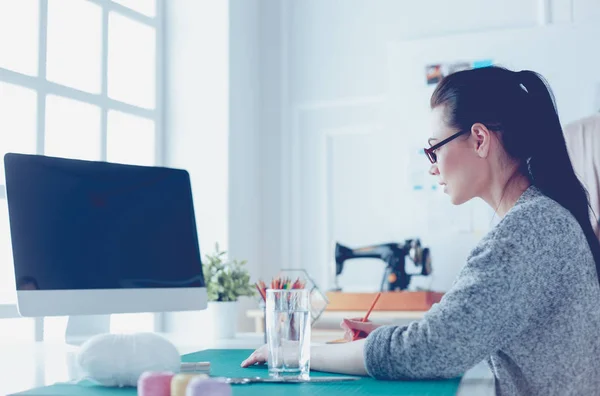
x=527, y=301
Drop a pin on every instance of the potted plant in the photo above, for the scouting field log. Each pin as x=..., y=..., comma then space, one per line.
x=226, y=280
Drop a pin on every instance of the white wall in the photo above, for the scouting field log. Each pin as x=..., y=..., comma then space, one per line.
x=333, y=82
x=337, y=151
x=338, y=48
x=197, y=108
x=244, y=144
x=196, y=122
x=213, y=107
x=308, y=93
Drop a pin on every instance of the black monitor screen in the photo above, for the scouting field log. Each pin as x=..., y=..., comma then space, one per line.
x=97, y=225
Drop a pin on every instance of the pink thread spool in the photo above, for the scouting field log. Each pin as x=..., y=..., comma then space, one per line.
x=208, y=387
x=155, y=383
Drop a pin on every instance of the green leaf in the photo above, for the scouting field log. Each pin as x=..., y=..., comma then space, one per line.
x=226, y=280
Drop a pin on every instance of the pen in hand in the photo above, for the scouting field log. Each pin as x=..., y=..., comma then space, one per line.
x=366, y=317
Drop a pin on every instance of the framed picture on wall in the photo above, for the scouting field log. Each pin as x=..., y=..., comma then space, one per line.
x=433, y=74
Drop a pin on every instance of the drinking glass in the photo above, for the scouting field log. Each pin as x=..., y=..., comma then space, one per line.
x=288, y=332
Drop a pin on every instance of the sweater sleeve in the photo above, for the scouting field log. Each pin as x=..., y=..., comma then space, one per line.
x=489, y=301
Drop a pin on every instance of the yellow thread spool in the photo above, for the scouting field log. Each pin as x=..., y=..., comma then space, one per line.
x=180, y=381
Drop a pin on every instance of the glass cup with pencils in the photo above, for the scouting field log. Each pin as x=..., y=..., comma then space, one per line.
x=288, y=326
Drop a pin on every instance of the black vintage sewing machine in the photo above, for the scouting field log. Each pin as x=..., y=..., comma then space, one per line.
x=394, y=254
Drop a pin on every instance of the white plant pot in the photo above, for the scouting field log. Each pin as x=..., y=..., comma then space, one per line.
x=223, y=317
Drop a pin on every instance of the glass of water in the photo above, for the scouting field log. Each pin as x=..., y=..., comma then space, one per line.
x=288, y=332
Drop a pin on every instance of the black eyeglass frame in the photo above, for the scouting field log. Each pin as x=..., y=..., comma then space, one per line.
x=429, y=151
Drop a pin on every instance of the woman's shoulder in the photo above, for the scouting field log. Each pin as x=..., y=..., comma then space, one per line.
x=536, y=233
x=536, y=219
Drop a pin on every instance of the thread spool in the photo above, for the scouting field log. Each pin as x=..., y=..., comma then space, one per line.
x=208, y=387
x=180, y=381
x=155, y=383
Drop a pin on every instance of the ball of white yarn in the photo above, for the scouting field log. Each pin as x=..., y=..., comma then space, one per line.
x=120, y=359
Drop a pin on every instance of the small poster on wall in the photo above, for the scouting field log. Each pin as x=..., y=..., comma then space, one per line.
x=435, y=72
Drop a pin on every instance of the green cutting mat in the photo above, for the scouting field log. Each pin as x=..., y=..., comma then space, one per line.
x=226, y=363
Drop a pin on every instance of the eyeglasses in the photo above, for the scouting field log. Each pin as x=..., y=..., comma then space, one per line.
x=430, y=152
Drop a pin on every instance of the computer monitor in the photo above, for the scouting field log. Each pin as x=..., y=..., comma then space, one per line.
x=92, y=238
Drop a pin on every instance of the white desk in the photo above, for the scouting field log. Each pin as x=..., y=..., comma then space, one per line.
x=26, y=366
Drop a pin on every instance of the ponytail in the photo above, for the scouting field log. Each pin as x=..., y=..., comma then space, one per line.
x=520, y=107
x=549, y=165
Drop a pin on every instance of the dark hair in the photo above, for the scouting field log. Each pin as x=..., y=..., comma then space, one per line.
x=520, y=108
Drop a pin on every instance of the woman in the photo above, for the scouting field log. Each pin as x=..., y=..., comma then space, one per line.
x=528, y=298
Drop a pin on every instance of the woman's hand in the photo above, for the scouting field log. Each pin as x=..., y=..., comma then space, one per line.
x=345, y=358
x=356, y=329
x=260, y=356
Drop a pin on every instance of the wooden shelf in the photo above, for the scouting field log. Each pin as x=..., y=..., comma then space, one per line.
x=389, y=301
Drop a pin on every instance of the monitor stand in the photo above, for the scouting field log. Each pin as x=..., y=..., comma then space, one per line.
x=81, y=328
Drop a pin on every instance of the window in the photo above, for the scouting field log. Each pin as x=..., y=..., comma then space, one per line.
x=19, y=19
x=72, y=129
x=74, y=44
x=131, y=58
x=78, y=79
x=126, y=130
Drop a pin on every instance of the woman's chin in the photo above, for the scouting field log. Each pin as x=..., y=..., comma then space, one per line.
x=454, y=199
x=457, y=200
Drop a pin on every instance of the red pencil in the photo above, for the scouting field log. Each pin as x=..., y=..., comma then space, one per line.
x=372, y=306
x=260, y=291
x=366, y=317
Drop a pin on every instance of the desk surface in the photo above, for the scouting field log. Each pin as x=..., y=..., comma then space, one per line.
x=27, y=366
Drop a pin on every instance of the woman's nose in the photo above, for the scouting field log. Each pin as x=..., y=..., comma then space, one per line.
x=434, y=170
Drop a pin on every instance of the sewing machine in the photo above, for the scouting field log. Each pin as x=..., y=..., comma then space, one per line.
x=395, y=276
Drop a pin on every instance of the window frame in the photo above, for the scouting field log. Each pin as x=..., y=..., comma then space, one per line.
x=43, y=87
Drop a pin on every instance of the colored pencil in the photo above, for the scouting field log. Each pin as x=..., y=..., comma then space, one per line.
x=279, y=283
x=366, y=317
x=261, y=292
x=372, y=306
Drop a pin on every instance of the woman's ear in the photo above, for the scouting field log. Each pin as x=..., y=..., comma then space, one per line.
x=483, y=139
